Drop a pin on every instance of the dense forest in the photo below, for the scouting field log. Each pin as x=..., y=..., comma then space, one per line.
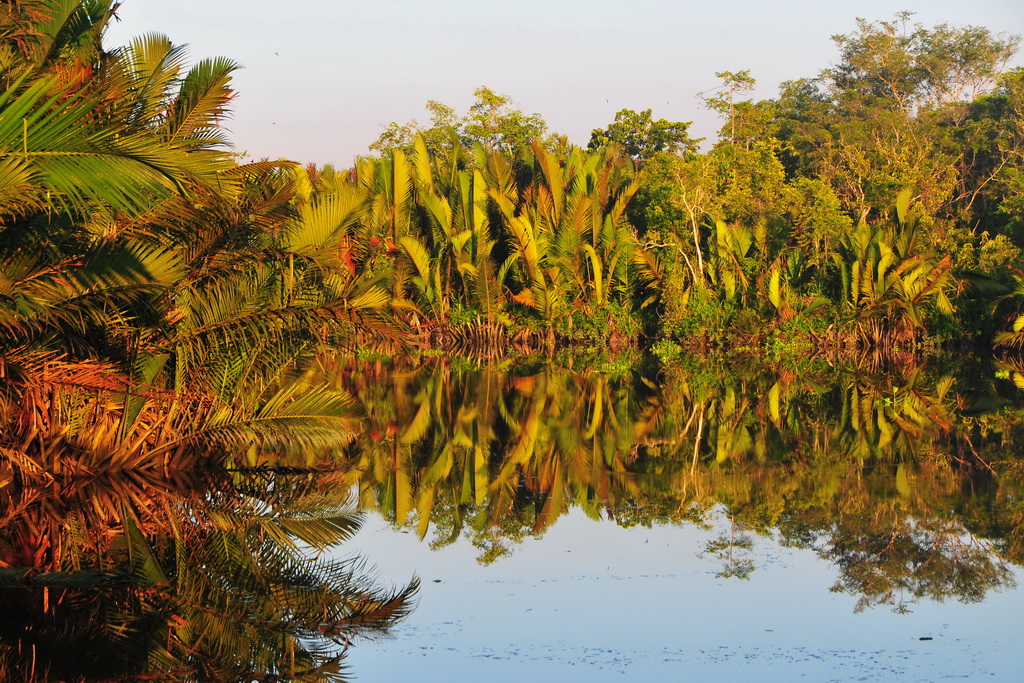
x=875, y=207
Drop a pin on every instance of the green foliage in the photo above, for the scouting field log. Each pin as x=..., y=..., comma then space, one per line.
x=641, y=137
x=158, y=321
x=599, y=326
x=492, y=122
x=913, y=66
x=208, y=283
x=666, y=351
x=723, y=98
x=701, y=317
x=818, y=218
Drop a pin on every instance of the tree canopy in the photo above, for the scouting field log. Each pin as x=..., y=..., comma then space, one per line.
x=641, y=136
x=492, y=122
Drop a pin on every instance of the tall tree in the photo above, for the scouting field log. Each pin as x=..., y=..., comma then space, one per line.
x=641, y=137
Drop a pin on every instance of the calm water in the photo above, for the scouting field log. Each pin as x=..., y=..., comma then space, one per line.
x=701, y=524
x=816, y=528
x=592, y=601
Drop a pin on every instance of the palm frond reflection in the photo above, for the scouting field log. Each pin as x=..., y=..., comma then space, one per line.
x=833, y=466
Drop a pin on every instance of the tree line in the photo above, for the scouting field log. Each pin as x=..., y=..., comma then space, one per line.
x=877, y=205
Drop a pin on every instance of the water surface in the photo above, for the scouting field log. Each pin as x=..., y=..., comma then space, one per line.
x=591, y=601
x=575, y=526
x=708, y=523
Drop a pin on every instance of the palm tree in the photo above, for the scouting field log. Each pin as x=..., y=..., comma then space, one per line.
x=887, y=285
x=151, y=310
x=567, y=227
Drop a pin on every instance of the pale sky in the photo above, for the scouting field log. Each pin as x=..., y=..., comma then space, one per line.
x=323, y=77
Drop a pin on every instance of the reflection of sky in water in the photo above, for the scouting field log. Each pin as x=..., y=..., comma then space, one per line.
x=592, y=601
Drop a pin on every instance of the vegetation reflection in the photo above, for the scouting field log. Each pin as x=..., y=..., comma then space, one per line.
x=216, y=578
x=905, y=482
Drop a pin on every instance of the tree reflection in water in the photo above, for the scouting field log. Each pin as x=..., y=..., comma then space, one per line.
x=908, y=483
x=192, y=578
x=898, y=480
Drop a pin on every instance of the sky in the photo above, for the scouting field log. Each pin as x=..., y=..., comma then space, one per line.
x=322, y=78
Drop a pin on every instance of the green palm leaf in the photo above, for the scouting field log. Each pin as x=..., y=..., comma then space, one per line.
x=53, y=142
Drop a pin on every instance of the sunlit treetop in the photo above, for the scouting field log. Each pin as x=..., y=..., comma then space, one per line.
x=492, y=121
x=640, y=136
x=914, y=66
